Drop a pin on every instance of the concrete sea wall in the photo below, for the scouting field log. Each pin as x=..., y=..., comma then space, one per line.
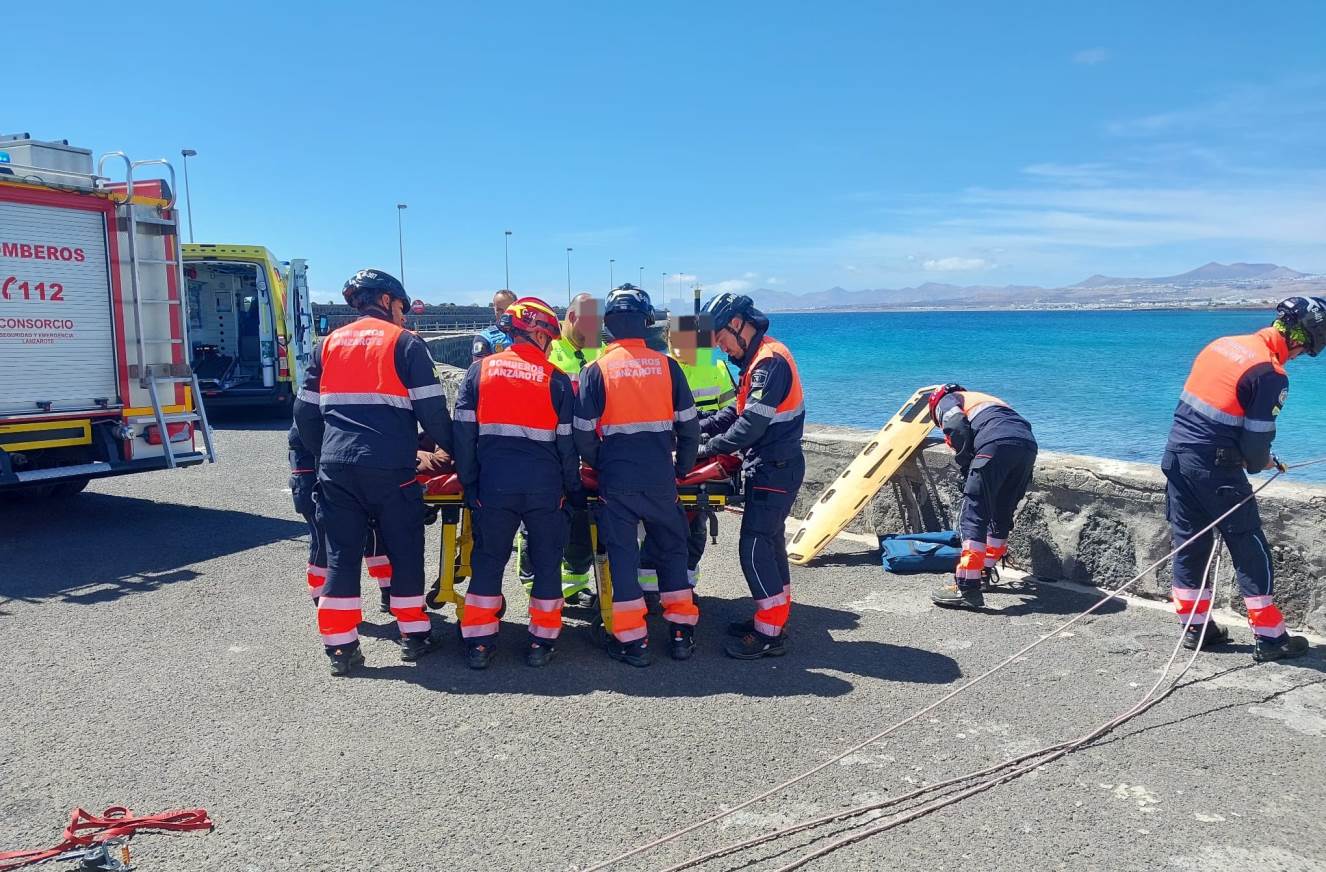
x=1085, y=519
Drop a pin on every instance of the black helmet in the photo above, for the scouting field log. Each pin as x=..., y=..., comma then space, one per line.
x=1304, y=322
x=367, y=285
x=726, y=306
x=629, y=298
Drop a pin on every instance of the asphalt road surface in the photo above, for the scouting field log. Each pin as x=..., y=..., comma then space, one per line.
x=159, y=652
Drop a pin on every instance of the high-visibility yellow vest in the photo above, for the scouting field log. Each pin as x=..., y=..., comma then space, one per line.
x=569, y=359
x=710, y=383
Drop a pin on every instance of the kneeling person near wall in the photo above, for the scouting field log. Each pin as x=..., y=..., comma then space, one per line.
x=1224, y=425
x=517, y=462
x=996, y=452
x=765, y=426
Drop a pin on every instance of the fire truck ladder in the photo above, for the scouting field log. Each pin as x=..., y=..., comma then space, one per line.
x=151, y=376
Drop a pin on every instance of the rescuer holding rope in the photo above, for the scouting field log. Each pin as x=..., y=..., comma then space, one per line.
x=1223, y=427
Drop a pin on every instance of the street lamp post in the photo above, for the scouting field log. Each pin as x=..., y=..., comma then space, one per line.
x=400, y=236
x=506, y=257
x=568, y=276
x=612, y=281
x=187, y=153
x=642, y=278
x=663, y=290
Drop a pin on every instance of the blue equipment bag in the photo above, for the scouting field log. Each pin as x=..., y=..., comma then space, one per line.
x=914, y=553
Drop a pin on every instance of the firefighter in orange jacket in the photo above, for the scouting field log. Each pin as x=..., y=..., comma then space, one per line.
x=633, y=410
x=369, y=388
x=1223, y=427
x=765, y=426
x=517, y=462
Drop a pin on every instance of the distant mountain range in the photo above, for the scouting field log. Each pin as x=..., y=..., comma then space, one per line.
x=1215, y=284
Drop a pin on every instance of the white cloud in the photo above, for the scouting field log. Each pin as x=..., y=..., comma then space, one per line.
x=956, y=264
x=730, y=286
x=774, y=280
x=750, y=275
x=1091, y=56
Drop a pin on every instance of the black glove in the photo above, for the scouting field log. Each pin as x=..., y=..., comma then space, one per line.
x=578, y=499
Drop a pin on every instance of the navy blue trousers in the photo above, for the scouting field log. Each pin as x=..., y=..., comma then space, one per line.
x=771, y=489
x=352, y=500
x=495, y=524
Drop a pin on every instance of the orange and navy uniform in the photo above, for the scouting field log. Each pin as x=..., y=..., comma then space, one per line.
x=996, y=452
x=1224, y=424
x=1233, y=396
x=370, y=387
x=766, y=424
x=516, y=458
x=634, y=408
x=769, y=416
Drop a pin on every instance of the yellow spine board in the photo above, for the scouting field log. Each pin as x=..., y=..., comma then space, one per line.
x=878, y=462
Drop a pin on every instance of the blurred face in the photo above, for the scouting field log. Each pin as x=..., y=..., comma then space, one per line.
x=585, y=322
x=683, y=340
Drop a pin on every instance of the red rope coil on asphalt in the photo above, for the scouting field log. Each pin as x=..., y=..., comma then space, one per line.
x=86, y=830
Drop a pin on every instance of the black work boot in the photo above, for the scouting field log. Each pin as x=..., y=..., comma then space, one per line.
x=414, y=647
x=635, y=653
x=989, y=578
x=1285, y=649
x=754, y=645
x=478, y=656
x=538, y=654
x=953, y=596
x=1216, y=636
x=741, y=628
x=343, y=660
x=682, y=639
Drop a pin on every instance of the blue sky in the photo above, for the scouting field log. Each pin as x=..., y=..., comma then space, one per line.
x=772, y=144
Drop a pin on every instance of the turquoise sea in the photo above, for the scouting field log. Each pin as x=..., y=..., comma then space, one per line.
x=1101, y=383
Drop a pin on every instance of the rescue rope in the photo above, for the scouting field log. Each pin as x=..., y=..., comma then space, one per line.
x=1048, y=754
x=87, y=830
x=1114, y=594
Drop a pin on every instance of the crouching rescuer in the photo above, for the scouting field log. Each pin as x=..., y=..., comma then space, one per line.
x=1223, y=428
x=517, y=462
x=996, y=452
x=634, y=407
x=765, y=426
x=370, y=386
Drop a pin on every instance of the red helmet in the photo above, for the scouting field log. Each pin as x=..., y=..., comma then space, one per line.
x=530, y=315
x=938, y=394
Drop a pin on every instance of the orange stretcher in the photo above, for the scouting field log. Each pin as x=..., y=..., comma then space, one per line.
x=710, y=486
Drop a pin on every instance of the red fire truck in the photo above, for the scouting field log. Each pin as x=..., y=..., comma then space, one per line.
x=93, y=333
